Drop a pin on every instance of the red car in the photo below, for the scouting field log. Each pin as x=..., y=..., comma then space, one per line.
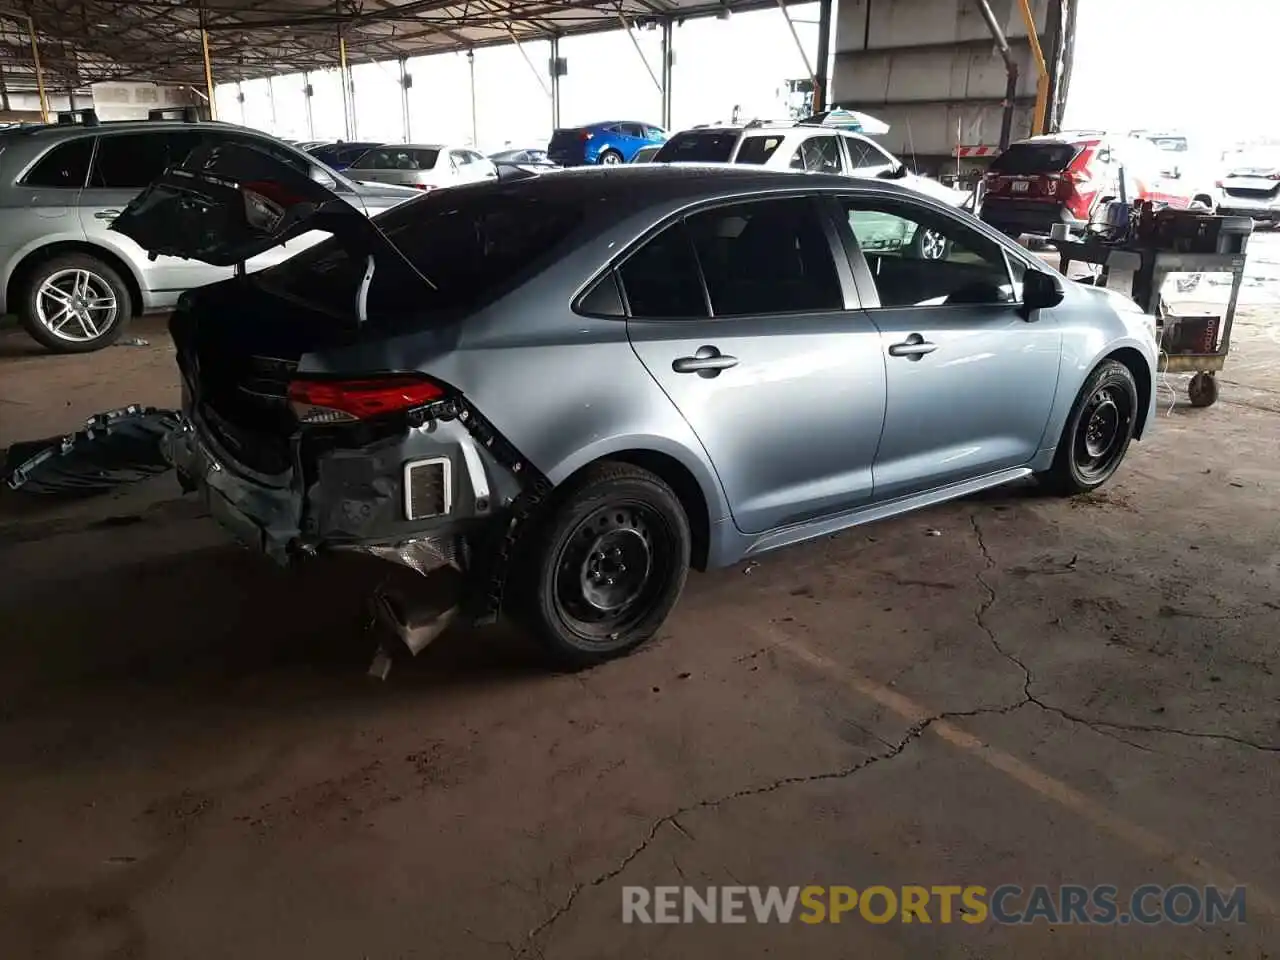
x=1061, y=178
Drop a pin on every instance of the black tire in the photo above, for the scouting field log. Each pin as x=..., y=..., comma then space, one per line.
x=1202, y=391
x=1075, y=468
x=109, y=325
x=610, y=158
x=557, y=585
x=928, y=244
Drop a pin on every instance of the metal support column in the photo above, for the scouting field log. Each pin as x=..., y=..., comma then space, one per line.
x=808, y=68
x=347, y=91
x=35, y=60
x=1011, y=70
x=640, y=52
x=555, y=82
x=822, y=69
x=471, y=66
x=1042, y=70
x=208, y=66
x=405, y=82
x=306, y=95
x=537, y=74
x=668, y=61
x=4, y=91
x=271, y=102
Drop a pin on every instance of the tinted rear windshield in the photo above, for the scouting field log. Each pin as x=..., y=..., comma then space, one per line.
x=1035, y=158
x=473, y=244
x=709, y=147
x=397, y=158
x=569, y=137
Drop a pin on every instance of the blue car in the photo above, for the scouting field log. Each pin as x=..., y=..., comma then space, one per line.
x=615, y=141
x=340, y=155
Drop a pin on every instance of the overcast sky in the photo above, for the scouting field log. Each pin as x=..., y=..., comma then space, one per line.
x=1208, y=68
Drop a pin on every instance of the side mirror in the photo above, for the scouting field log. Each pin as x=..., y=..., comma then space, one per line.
x=1040, y=291
x=893, y=173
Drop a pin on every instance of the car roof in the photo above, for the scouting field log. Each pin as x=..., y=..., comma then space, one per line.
x=642, y=185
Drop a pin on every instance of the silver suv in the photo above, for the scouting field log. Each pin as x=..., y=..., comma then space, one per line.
x=73, y=283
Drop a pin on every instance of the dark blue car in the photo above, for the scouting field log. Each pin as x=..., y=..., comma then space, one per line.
x=339, y=156
x=615, y=141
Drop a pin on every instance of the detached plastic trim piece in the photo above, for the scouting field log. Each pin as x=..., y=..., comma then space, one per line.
x=114, y=448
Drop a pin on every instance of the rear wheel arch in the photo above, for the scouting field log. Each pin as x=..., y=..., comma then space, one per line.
x=15, y=290
x=680, y=479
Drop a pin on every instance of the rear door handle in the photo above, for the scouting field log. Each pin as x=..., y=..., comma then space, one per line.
x=708, y=361
x=913, y=348
x=106, y=214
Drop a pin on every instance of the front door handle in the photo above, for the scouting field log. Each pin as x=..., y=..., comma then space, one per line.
x=708, y=361
x=913, y=348
x=106, y=214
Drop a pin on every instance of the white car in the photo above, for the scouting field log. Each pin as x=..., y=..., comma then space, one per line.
x=1251, y=185
x=425, y=166
x=801, y=146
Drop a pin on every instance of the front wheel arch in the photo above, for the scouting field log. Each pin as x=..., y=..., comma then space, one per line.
x=1141, y=371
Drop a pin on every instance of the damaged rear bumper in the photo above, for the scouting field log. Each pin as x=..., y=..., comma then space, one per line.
x=357, y=500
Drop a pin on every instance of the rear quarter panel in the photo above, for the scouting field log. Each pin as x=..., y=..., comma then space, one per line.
x=564, y=389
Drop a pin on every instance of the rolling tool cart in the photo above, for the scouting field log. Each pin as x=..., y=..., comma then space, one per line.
x=1138, y=247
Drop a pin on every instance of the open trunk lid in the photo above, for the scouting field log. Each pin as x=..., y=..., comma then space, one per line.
x=228, y=202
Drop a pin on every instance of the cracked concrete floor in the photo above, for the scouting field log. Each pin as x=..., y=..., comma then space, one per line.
x=1048, y=692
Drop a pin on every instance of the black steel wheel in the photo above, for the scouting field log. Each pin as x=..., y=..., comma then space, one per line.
x=600, y=572
x=1097, y=433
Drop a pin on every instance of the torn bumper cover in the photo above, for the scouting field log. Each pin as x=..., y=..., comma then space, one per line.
x=449, y=493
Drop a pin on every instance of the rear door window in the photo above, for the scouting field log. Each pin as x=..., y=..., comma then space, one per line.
x=661, y=279
x=698, y=147
x=64, y=167
x=818, y=154
x=758, y=149
x=1033, y=158
x=131, y=161
x=766, y=256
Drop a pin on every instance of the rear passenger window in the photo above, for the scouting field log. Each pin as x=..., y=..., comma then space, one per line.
x=131, y=161
x=818, y=154
x=758, y=149
x=661, y=279
x=64, y=167
x=769, y=256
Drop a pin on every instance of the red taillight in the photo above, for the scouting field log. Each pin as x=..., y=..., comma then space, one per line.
x=344, y=401
x=1218, y=184
x=425, y=187
x=584, y=136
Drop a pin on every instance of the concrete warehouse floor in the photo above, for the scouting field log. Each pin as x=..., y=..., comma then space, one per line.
x=1008, y=689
